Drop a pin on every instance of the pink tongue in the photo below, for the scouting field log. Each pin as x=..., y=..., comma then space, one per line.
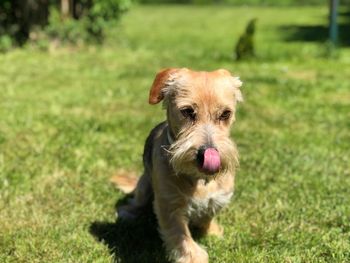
x=211, y=163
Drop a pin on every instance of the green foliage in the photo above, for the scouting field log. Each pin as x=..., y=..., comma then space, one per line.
x=68, y=31
x=18, y=21
x=90, y=27
x=102, y=13
x=5, y=15
x=5, y=43
x=109, y=9
x=8, y=28
x=70, y=119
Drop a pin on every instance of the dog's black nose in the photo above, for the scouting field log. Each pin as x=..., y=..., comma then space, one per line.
x=200, y=154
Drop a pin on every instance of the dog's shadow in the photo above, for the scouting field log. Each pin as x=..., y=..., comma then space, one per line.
x=131, y=241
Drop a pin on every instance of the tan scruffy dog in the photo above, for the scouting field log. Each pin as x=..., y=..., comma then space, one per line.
x=189, y=160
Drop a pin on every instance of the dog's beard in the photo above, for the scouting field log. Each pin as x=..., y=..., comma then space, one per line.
x=183, y=153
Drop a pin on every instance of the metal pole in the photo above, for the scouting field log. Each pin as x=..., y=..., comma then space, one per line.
x=333, y=26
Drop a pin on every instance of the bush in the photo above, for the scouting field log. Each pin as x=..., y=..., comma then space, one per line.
x=41, y=21
x=102, y=13
x=5, y=43
x=91, y=25
x=8, y=29
x=18, y=18
x=69, y=31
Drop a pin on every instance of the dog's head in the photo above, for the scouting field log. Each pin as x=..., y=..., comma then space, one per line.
x=200, y=111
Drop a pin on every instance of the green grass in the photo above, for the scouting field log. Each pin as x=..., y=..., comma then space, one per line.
x=70, y=119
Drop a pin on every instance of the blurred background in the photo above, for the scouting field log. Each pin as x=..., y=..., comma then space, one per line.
x=74, y=83
x=49, y=22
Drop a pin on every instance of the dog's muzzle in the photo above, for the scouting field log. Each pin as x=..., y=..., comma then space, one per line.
x=208, y=159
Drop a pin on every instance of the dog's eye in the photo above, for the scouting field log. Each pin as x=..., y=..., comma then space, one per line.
x=188, y=113
x=225, y=115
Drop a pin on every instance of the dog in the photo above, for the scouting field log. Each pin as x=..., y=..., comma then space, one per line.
x=189, y=159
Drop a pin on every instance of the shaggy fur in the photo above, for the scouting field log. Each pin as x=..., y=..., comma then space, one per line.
x=200, y=110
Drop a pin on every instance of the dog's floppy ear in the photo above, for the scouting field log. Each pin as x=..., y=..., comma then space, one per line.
x=160, y=82
x=236, y=83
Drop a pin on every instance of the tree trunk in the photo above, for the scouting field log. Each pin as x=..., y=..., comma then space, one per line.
x=65, y=13
x=69, y=9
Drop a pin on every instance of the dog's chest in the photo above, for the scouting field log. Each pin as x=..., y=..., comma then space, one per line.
x=208, y=204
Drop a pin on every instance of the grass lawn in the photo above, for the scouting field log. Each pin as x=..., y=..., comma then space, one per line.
x=70, y=119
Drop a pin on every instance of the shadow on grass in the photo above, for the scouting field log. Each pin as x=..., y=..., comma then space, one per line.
x=315, y=33
x=318, y=33
x=131, y=241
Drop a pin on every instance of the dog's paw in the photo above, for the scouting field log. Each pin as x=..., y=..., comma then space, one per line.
x=199, y=255
x=191, y=252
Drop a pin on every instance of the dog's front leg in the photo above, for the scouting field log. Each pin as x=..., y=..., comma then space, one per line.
x=176, y=234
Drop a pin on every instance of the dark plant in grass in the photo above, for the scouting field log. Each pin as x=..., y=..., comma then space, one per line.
x=245, y=48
